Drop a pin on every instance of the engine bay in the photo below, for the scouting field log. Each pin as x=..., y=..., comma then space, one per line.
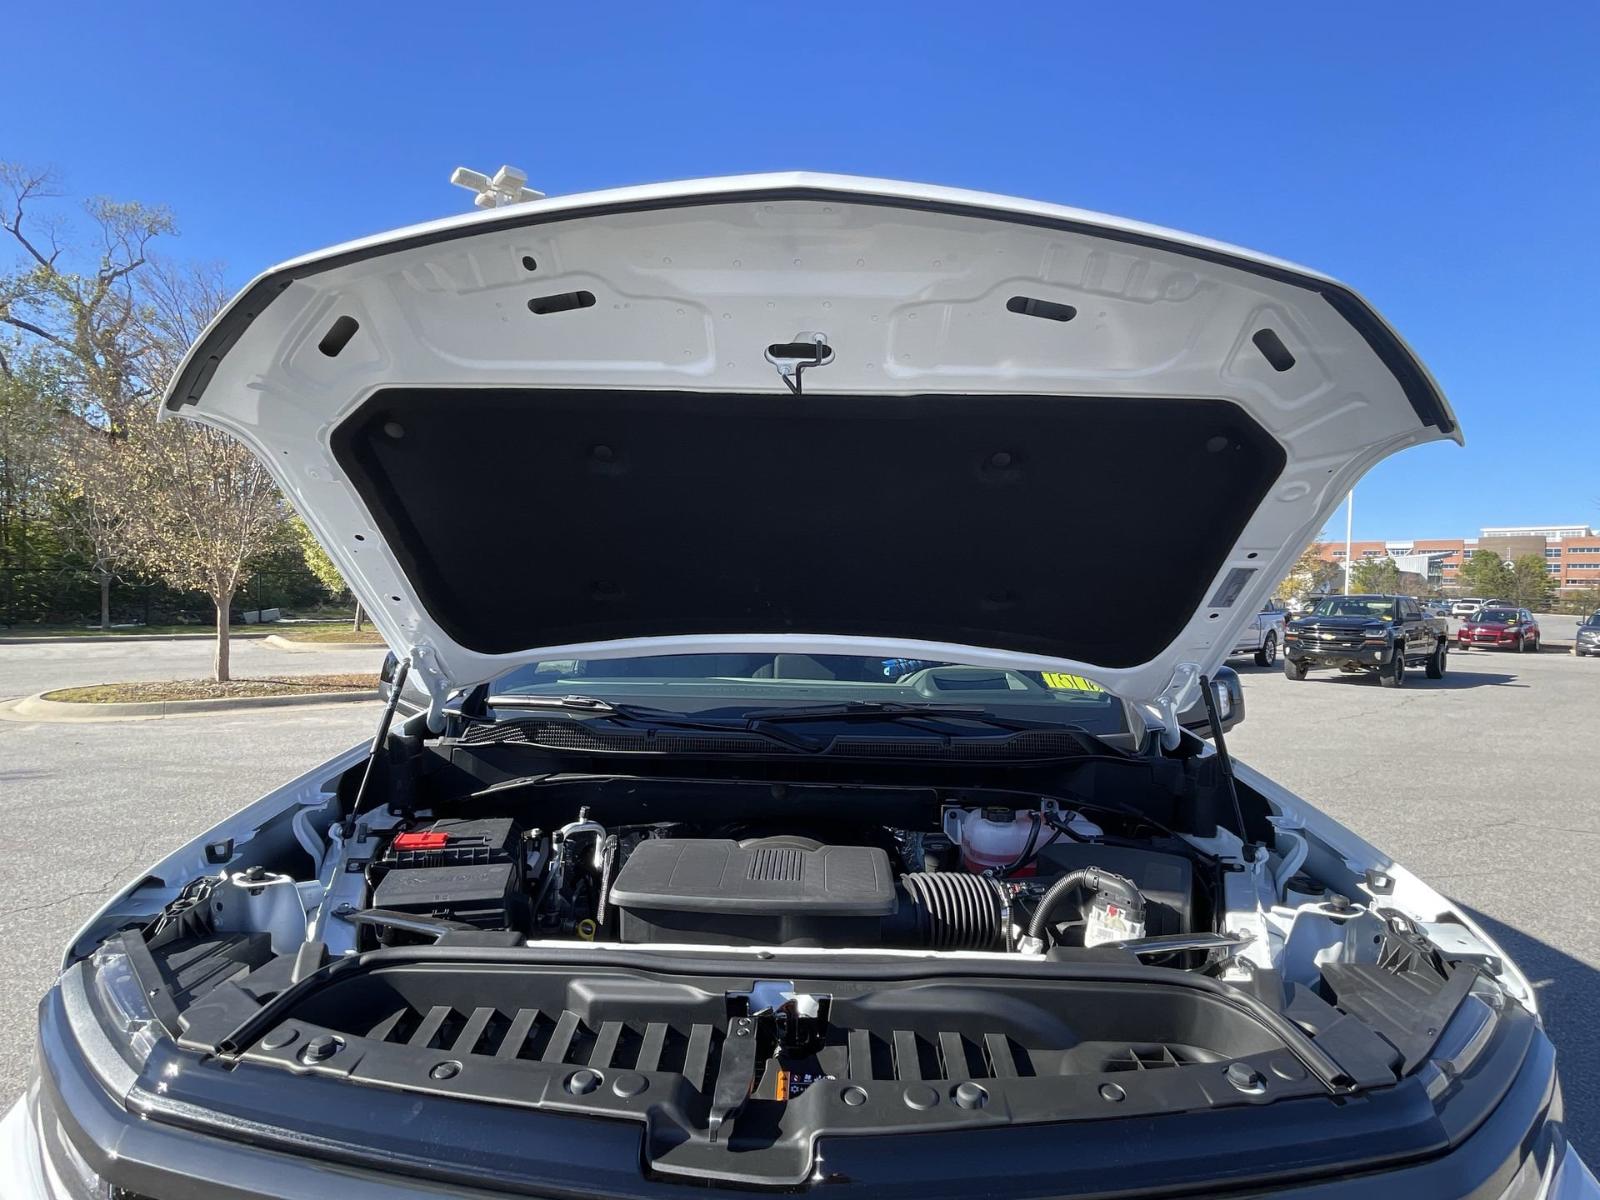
x=977, y=878
x=744, y=960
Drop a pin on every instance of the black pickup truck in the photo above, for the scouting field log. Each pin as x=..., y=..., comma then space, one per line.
x=1381, y=635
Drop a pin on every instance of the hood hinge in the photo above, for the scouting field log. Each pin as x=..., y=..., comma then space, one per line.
x=1172, y=701
x=425, y=666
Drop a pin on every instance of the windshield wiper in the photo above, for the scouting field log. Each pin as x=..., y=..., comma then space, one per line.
x=894, y=710
x=769, y=722
x=934, y=717
x=573, y=703
x=650, y=718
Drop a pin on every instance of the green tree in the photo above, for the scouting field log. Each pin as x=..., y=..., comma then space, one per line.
x=1486, y=574
x=1375, y=575
x=1297, y=583
x=1531, y=585
x=1582, y=603
x=320, y=565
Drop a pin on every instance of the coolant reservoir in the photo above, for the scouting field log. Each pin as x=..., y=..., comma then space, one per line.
x=993, y=838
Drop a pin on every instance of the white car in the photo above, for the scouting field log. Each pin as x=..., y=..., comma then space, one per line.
x=1466, y=606
x=784, y=790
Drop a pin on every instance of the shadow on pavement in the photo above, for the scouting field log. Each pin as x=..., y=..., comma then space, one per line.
x=1453, y=681
x=1569, y=1001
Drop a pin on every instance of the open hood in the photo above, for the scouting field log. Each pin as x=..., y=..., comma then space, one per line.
x=809, y=413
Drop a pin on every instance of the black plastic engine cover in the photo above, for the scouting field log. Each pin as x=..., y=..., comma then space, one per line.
x=707, y=891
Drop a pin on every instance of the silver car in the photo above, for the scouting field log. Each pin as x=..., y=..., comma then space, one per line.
x=1263, y=636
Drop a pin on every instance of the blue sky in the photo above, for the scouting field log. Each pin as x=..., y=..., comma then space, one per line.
x=1444, y=158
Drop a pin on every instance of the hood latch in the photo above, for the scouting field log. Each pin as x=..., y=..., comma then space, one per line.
x=794, y=358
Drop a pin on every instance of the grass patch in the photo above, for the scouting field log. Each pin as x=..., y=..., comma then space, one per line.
x=309, y=631
x=207, y=689
x=325, y=633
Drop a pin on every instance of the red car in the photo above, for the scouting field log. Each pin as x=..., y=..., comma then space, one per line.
x=1507, y=628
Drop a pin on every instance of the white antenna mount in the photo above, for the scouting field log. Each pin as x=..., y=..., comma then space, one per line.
x=506, y=186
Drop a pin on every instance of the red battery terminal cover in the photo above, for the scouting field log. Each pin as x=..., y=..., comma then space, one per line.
x=421, y=839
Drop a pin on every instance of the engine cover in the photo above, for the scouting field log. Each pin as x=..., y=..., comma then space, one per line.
x=703, y=891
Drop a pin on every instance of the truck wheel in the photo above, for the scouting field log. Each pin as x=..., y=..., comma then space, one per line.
x=1394, y=674
x=1434, y=667
x=1267, y=656
x=1293, y=669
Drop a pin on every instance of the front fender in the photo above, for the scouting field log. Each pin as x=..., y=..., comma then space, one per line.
x=263, y=821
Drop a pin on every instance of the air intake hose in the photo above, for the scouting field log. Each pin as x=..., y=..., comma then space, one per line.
x=947, y=910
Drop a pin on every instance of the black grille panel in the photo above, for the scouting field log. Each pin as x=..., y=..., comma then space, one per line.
x=563, y=1037
x=558, y=1037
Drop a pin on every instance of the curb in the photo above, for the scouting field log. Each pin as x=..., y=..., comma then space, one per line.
x=278, y=642
x=114, y=638
x=37, y=708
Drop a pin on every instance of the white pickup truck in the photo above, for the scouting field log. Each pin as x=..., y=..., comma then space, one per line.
x=1263, y=637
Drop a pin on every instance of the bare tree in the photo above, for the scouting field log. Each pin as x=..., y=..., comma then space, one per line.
x=83, y=301
x=201, y=506
x=78, y=311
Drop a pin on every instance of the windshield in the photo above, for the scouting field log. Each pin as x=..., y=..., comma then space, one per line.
x=1356, y=606
x=736, y=684
x=1501, y=616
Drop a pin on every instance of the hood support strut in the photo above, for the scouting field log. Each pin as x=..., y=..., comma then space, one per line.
x=378, y=739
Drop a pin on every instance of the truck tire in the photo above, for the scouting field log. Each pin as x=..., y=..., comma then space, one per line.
x=1434, y=666
x=1267, y=656
x=1294, y=670
x=1393, y=674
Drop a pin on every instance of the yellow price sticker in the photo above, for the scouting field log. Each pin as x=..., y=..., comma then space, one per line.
x=1061, y=681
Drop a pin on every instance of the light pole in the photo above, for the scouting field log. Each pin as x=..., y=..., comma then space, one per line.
x=1349, y=522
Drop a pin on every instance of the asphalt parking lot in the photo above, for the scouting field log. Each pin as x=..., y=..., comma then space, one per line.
x=1483, y=783
x=27, y=668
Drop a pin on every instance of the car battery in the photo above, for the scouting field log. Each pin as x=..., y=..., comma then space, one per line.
x=457, y=870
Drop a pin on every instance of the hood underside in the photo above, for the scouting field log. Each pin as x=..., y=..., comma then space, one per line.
x=1036, y=436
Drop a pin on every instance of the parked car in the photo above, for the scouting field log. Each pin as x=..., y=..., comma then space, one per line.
x=1377, y=634
x=1500, y=628
x=791, y=809
x=1587, y=641
x=1264, y=634
x=1466, y=606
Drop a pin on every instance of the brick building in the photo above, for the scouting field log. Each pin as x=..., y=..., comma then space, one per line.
x=1571, y=553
